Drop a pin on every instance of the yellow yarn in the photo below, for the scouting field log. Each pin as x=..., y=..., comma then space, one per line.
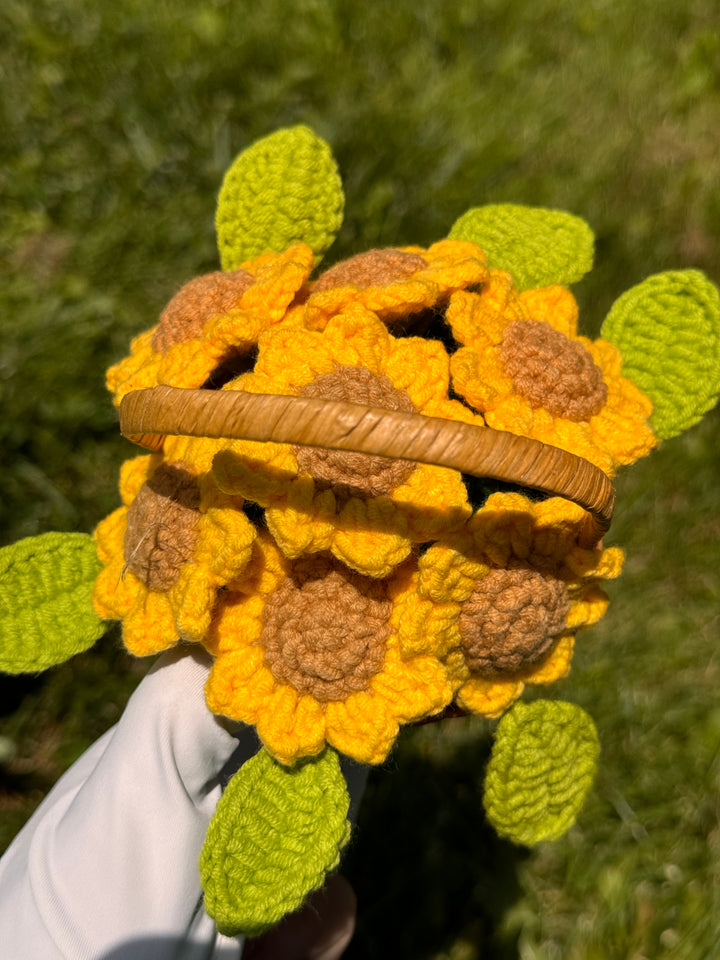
x=153, y=620
x=373, y=534
x=555, y=305
x=450, y=265
x=278, y=278
x=618, y=434
x=508, y=532
x=292, y=723
x=349, y=335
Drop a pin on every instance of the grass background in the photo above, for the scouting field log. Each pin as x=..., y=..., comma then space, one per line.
x=118, y=121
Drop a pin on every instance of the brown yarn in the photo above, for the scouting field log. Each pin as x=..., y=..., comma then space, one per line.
x=355, y=474
x=552, y=371
x=325, y=631
x=511, y=620
x=375, y=268
x=162, y=526
x=196, y=303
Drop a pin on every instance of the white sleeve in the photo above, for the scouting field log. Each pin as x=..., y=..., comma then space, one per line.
x=107, y=868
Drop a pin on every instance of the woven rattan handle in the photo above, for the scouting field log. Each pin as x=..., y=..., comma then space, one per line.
x=146, y=416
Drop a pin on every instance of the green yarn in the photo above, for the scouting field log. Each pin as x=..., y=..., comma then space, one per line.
x=538, y=247
x=46, y=612
x=668, y=331
x=281, y=190
x=542, y=765
x=276, y=833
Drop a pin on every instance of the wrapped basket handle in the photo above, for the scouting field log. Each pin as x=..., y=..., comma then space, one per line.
x=147, y=416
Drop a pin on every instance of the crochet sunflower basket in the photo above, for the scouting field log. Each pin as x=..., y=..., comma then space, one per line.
x=375, y=493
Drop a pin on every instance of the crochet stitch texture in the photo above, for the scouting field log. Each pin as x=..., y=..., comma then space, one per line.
x=343, y=594
x=366, y=593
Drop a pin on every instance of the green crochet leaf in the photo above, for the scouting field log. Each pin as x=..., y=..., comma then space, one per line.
x=46, y=611
x=668, y=331
x=542, y=765
x=538, y=247
x=276, y=833
x=281, y=190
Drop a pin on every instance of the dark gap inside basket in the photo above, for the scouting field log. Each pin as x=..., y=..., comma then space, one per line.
x=480, y=488
x=429, y=324
x=230, y=369
x=255, y=513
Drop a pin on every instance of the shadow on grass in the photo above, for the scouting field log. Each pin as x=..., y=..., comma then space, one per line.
x=428, y=871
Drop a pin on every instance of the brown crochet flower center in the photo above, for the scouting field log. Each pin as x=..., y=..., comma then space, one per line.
x=355, y=474
x=197, y=302
x=375, y=268
x=162, y=526
x=326, y=635
x=511, y=620
x=552, y=371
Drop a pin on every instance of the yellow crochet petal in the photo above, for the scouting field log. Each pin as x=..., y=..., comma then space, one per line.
x=456, y=669
x=361, y=727
x=291, y=726
x=239, y=685
x=371, y=536
x=198, y=452
x=628, y=439
x=237, y=621
x=552, y=514
x=225, y=542
x=135, y=372
x=488, y=698
x=591, y=564
x=449, y=573
x=236, y=624
x=265, y=568
x=223, y=551
x=477, y=376
x=503, y=529
x=150, y=626
x=454, y=264
x=115, y=594
x=415, y=688
x=233, y=333
x=278, y=280
x=555, y=305
x=255, y=471
x=434, y=502
x=588, y=610
x=389, y=303
x=479, y=319
x=192, y=598
x=421, y=368
x=359, y=338
x=134, y=473
x=190, y=363
x=425, y=627
x=303, y=524
x=288, y=359
x=110, y=537
x=557, y=664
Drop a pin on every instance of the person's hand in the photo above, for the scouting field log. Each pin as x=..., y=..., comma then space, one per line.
x=107, y=868
x=320, y=930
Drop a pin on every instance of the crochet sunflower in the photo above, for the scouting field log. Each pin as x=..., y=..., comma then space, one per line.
x=365, y=511
x=308, y=651
x=524, y=366
x=343, y=592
